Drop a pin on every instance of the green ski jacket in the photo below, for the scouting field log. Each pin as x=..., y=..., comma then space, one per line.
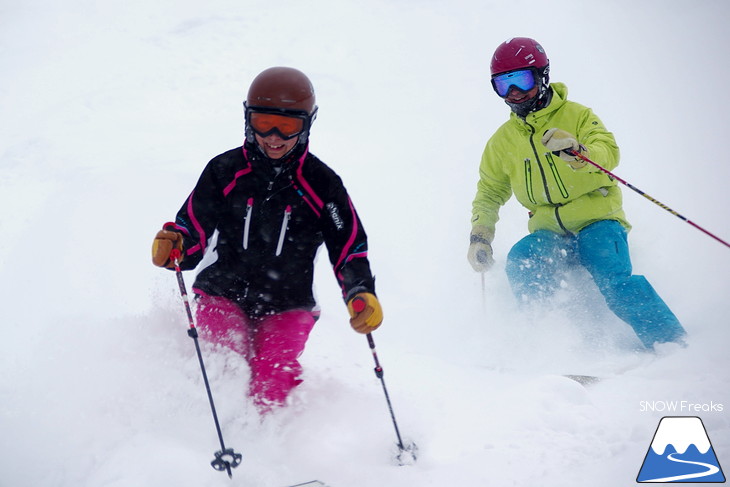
x=558, y=197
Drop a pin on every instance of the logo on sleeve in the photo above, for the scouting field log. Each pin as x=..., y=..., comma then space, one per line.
x=335, y=215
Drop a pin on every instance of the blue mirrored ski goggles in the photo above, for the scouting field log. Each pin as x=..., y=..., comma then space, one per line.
x=522, y=79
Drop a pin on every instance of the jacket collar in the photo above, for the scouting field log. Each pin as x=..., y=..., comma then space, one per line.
x=560, y=96
x=259, y=161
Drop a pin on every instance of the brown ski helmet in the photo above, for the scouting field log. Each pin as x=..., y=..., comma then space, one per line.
x=282, y=90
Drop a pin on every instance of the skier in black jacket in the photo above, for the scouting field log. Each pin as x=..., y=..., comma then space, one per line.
x=254, y=223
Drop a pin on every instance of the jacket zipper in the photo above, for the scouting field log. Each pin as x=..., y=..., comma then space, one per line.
x=278, y=190
x=544, y=182
x=247, y=222
x=539, y=164
x=556, y=175
x=282, y=233
x=528, y=181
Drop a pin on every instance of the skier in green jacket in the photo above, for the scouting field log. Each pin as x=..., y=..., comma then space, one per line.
x=575, y=210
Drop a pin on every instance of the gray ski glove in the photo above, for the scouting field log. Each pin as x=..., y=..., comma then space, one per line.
x=480, y=248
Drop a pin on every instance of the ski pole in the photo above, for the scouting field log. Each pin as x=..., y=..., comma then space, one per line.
x=411, y=449
x=226, y=458
x=484, y=293
x=658, y=203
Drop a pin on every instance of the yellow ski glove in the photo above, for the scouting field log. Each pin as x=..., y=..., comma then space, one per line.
x=162, y=246
x=366, y=315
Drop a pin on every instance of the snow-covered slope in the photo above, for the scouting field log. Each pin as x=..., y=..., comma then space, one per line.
x=110, y=111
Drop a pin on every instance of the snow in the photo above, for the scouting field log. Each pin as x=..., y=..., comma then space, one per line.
x=110, y=111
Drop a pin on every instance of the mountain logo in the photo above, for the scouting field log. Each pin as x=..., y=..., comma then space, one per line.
x=680, y=452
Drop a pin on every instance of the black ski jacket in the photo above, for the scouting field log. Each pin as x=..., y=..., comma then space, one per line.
x=269, y=226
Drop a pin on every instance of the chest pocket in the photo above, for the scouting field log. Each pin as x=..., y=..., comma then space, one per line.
x=556, y=175
x=248, y=222
x=282, y=231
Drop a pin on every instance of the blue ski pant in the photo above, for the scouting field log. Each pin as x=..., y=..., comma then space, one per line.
x=535, y=263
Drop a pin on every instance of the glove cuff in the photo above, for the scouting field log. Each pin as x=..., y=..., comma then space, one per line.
x=481, y=234
x=356, y=290
x=478, y=238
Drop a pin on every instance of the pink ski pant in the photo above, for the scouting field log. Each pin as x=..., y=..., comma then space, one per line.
x=271, y=344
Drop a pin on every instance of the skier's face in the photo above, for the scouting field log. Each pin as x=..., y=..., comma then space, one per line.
x=274, y=146
x=518, y=96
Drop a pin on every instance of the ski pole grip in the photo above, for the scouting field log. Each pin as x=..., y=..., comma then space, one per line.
x=358, y=304
x=577, y=154
x=175, y=255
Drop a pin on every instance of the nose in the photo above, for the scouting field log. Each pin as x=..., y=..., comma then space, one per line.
x=515, y=94
x=273, y=138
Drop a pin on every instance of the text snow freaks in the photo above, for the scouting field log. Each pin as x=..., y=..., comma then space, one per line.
x=680, y=407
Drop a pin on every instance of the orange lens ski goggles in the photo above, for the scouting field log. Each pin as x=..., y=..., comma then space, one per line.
x=265, y=124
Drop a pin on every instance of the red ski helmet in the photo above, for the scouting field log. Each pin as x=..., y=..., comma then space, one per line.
x=518, y=53
x=523, y=53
